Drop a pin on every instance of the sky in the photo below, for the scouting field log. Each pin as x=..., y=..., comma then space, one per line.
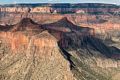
x=60, y=1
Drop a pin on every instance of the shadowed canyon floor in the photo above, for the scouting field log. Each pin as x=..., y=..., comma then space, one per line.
x=56, y=51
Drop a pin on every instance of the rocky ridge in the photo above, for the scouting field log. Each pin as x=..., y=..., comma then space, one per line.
x=55, y=51
x=31, y=56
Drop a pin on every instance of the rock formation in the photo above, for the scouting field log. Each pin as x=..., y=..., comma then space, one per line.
x=59, y=46
x=59, y=50
x=32, y=57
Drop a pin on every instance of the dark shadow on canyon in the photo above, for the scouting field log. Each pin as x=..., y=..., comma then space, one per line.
x=69, y=36
x=79, y=37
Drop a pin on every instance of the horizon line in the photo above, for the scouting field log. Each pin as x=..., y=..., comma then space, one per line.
x=58, y=3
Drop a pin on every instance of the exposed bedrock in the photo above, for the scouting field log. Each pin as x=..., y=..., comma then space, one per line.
x=55, y=51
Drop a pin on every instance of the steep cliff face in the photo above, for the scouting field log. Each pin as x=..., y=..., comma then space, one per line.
x=33, y=57
x=90, y=57
x=28, y=56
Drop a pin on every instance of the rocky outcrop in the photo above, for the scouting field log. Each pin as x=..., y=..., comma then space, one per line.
x=33, y=57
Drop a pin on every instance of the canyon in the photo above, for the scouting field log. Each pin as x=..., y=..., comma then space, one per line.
x=46, y=43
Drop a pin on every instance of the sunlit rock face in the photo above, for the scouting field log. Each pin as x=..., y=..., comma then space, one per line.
x=39, y=54
x=18, y=40
x=41, y=9
x=31, y=55
x=21, y=9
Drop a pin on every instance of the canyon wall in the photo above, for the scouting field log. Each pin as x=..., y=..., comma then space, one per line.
x=107, y=20
x=101, y=26
x=59, y=46
x=63, y=8
x=32, y=57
